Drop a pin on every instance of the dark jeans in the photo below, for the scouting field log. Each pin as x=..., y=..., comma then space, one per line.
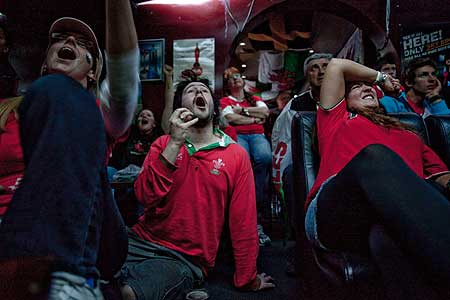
x=377, y=187
x=64, y=207
x=258, y=149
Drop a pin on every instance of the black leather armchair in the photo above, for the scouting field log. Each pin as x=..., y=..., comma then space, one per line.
x=439, y=133
x=340, y=268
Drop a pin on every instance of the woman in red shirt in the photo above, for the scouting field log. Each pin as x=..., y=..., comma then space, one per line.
x=11, y=157
x=372, y=172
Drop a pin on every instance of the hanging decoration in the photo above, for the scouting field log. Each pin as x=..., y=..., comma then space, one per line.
x=230, y=14
x=388, y=16
x=354, y=48
x=279, y=36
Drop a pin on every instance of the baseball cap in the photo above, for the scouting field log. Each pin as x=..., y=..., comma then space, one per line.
x=313, y=57
x=68, y=24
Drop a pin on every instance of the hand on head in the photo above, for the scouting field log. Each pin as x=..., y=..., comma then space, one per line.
x=390, y=84
x=180, y=121
x=393, y=88
x=436, y=90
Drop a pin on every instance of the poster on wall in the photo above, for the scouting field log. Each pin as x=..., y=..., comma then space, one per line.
x=152, y=59
x=432, y=40
x=193, y=56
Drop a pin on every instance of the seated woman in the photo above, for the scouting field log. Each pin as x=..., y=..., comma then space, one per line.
x=135, y=148
x=372, y=172
x=11, y=157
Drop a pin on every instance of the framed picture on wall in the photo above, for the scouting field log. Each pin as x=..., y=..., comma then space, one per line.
x=152, y=59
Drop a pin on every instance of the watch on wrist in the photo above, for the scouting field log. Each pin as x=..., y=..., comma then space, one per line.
x=245, y=112
x=381, y=78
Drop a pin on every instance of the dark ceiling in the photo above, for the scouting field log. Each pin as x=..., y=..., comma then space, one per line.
x=30, y=19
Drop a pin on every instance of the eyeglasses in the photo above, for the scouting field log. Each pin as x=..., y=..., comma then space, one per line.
x=236, y=76
x=81, y=41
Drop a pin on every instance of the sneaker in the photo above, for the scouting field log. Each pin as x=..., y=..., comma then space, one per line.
x=200, y=294
x=264, y=239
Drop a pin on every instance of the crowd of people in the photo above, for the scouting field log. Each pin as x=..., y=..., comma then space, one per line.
x=207, y=165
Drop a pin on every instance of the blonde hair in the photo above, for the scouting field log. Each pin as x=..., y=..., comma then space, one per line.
x=6, y=107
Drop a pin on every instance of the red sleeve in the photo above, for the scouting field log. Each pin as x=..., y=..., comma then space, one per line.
x=156, y=177
x=328, y=120
x=224, y=102
x=242, y=222
x=257, y=98
x=432, y=164
x=231, y=132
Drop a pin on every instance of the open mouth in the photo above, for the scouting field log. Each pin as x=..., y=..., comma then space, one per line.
x=370, y=97
x=200, y=102
x=66, y=53
x=144, y=121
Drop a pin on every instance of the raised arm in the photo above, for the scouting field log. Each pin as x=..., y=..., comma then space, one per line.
x=119, y=91
x=168, y=99
x=338, y=72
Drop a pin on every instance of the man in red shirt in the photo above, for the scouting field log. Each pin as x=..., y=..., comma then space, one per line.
x=191, y=182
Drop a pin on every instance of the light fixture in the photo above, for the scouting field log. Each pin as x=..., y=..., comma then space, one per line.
x=244, y=65
x=174, y=2
x=242, y=44
x=311, y=51
x=243, y=76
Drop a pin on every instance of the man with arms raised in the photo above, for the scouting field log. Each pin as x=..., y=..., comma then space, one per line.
x=63, y=208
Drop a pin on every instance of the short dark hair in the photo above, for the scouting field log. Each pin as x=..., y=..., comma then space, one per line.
x=386, y=59
x=416, y=63
x=179, y=95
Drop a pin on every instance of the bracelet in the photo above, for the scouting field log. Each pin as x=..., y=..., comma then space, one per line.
x=434, y=98
x=381, y=78
x=245, y=112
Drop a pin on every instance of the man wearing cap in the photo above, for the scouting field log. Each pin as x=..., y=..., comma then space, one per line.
x=63, y=208
x=314, y=70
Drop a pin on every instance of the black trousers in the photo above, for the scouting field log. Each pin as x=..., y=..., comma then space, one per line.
x=377, y=187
